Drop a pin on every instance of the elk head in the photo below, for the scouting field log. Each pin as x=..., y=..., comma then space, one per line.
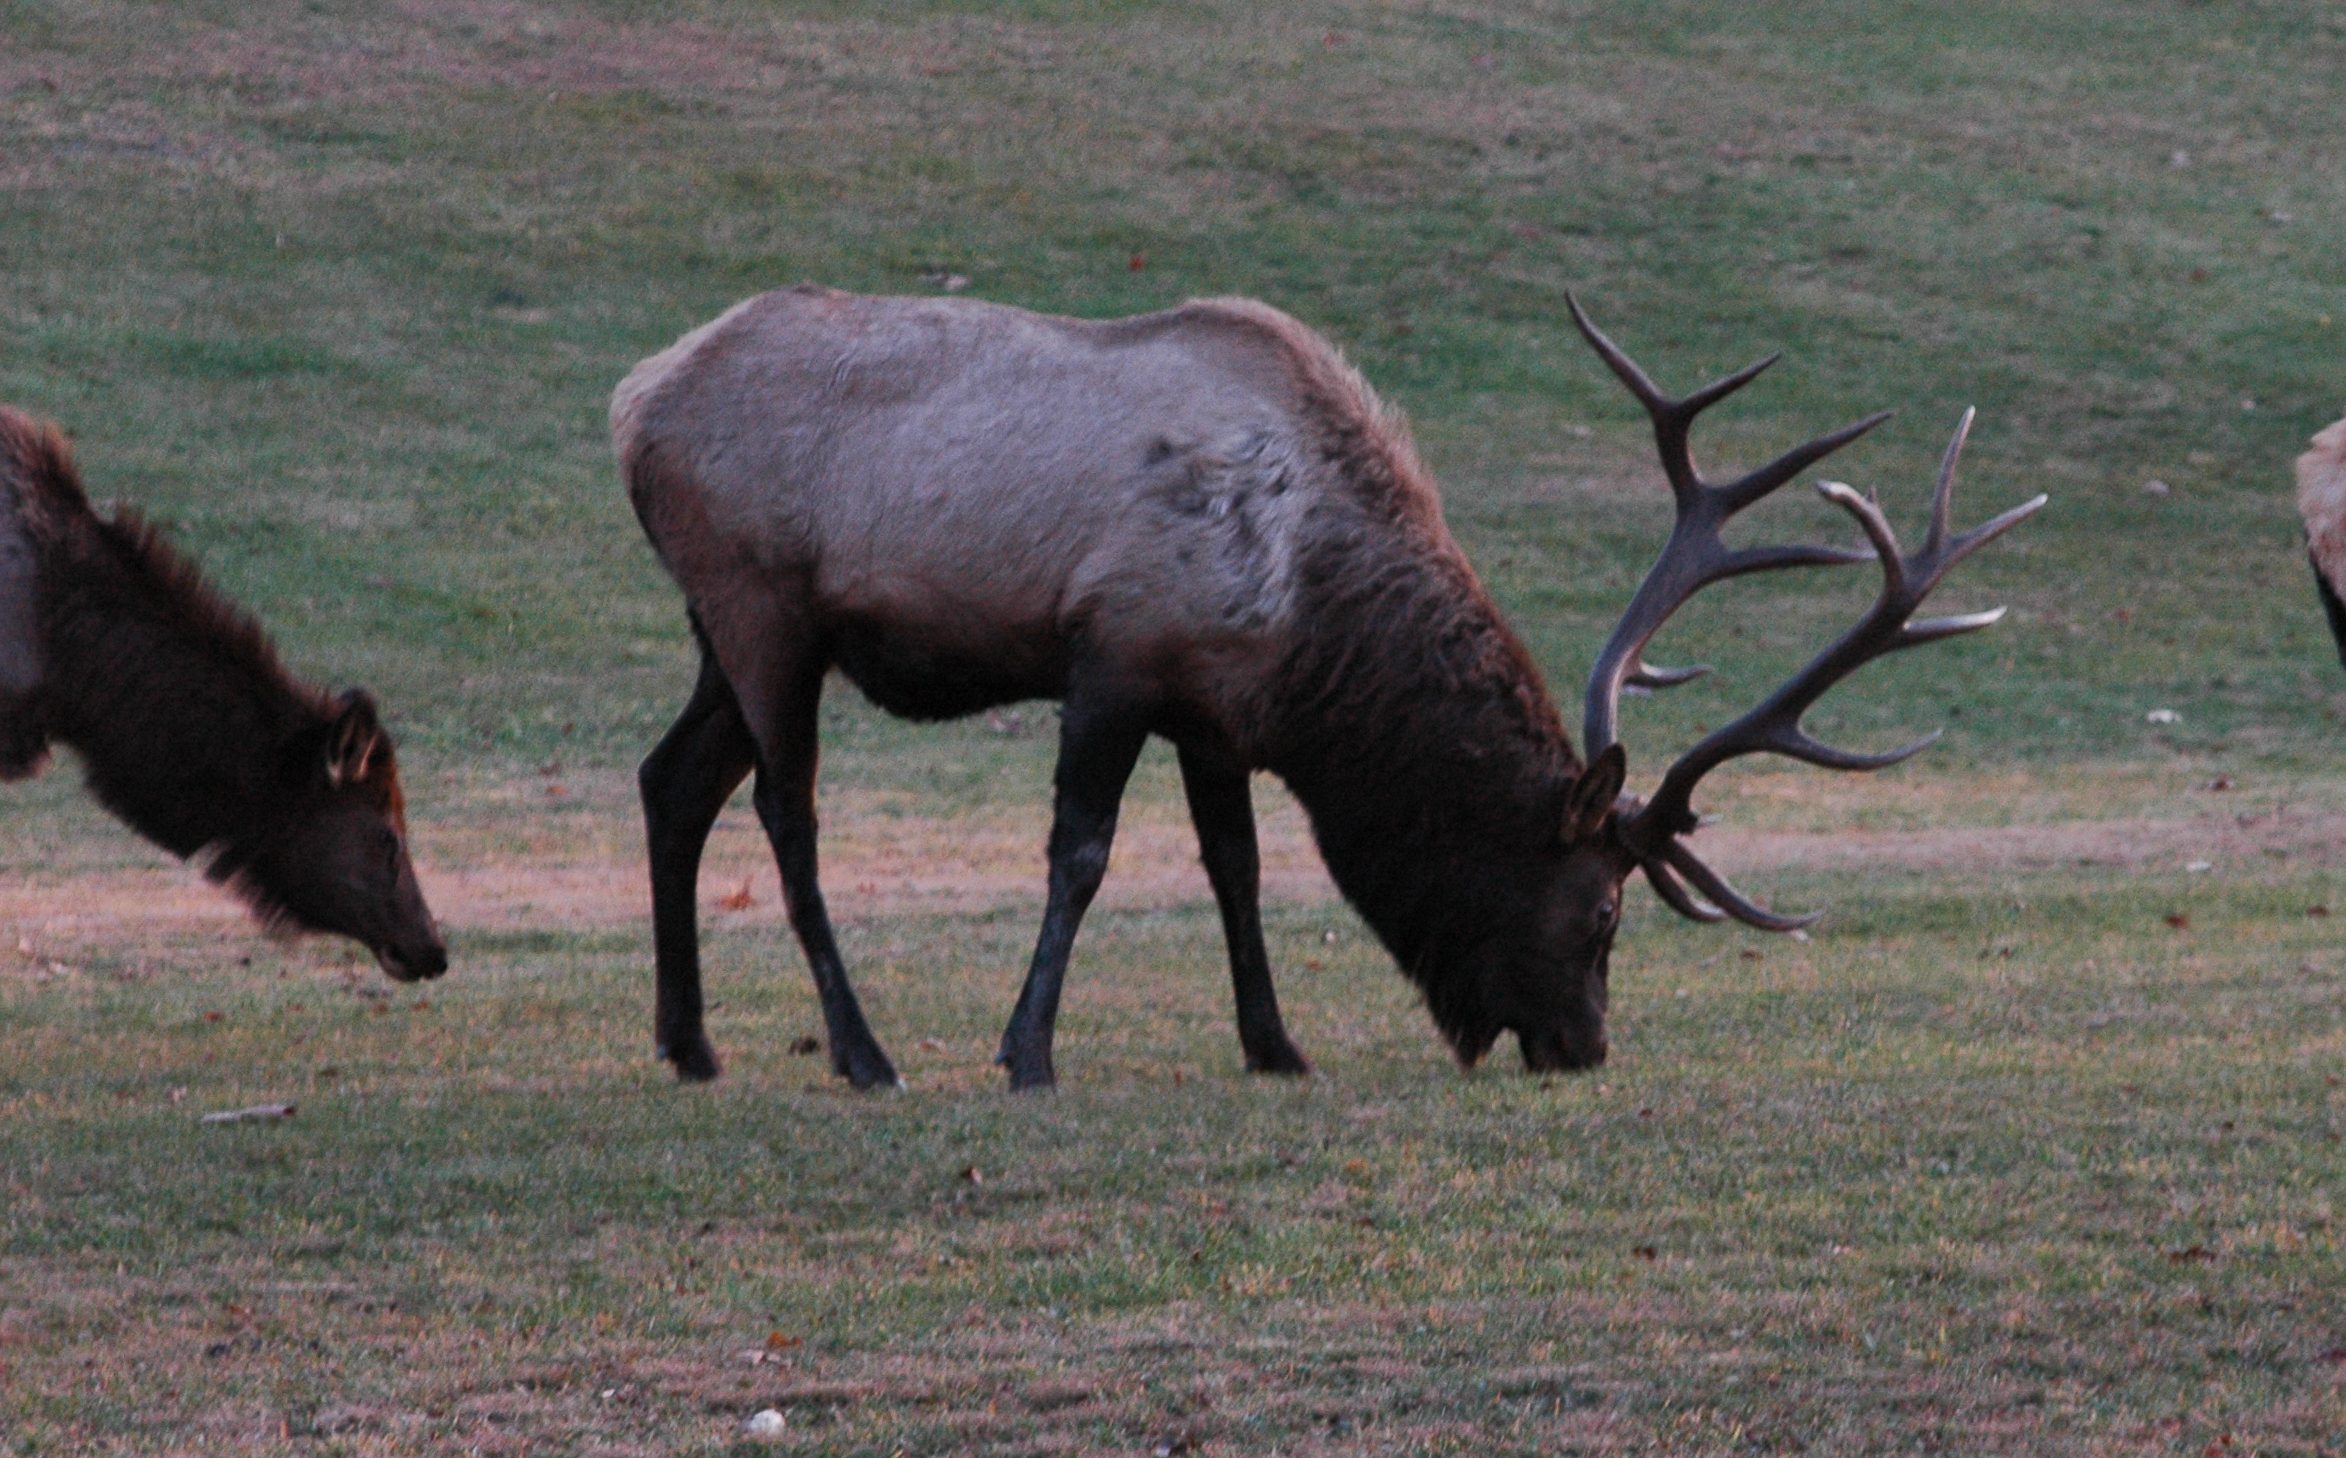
x=335, y=857
x=1556, y=1000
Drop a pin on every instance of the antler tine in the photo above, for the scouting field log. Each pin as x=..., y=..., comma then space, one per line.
x=1673, y=419
x=1796, y=460
x=1730, y=900
x=1674, y=893
x=1773, y=726
x=1695, y=555
x=1644, y=675
x=1945, y=495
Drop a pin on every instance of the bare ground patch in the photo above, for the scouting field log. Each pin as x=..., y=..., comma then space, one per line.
x=587, y=872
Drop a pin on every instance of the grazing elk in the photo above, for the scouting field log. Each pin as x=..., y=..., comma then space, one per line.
x=188, y=727
x=2321, y=500
x=1199, y=524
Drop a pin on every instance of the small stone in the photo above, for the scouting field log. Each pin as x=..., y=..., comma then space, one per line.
x=2162, y=716
x=765, y=1425
x=2156, y=487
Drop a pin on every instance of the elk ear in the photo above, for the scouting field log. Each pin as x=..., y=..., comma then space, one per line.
x=354, y=741
x=1591, y=797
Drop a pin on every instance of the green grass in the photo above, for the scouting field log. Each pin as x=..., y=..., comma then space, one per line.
x=1989, y=1168
x=2000, y=1163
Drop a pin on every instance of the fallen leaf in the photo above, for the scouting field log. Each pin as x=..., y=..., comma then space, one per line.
x=740, y=898
x=2317, y=909
x=1646, y=1252
x=2191, y=1255
x=777, y=1341
x=806, y=1047
x=2178, y=920
x=1137, y=262
x=972, y=1175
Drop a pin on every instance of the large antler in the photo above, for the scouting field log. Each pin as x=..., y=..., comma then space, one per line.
x=1695, y=556
x=1773, y=726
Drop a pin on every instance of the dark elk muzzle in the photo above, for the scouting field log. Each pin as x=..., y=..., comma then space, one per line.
x=419, y=960
x=1562, y=1051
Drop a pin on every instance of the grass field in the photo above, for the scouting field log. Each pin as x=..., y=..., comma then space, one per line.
x=2034, y=1148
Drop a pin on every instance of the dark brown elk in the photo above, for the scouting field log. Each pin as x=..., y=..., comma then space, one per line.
x=2321, y=501
x=1199, y=524
x=187, y=725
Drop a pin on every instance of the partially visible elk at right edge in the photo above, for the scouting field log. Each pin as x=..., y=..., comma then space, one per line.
x=2321, y=501
x=1199, y=524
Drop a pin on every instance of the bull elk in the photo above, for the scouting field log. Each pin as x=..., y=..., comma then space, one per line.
x=1200, y=524
x=187, y=725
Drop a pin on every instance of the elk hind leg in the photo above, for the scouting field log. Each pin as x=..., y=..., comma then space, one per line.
x=1223, y=811
x=685, y=782
x=785, y=800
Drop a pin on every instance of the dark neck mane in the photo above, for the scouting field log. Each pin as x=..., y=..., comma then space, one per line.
x=175, y=700
x=1414, y=727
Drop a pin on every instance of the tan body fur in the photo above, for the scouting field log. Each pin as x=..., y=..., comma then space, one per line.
x=967, y=491
x=2321, y=500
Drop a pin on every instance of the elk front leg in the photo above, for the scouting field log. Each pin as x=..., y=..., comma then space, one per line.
x=1222, y=808
x=685, y=782
x=1097, y=749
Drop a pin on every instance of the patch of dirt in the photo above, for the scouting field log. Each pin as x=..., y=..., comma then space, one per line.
x=875, y=865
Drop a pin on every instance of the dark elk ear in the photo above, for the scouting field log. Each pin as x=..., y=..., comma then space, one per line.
x=1591, y=797
x=356, y=736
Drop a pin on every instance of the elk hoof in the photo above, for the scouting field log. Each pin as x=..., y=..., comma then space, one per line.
x=1030, y=1072
x=1281, y=1059
x=867, y=1069
x=694, y=1062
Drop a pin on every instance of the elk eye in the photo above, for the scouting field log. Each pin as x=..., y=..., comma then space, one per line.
x=1606, y=911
